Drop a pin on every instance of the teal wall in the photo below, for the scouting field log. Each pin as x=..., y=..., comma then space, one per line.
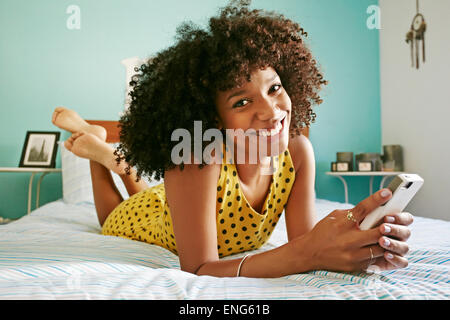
x=43, y=64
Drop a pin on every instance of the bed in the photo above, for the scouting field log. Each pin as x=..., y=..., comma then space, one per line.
x=57, y=252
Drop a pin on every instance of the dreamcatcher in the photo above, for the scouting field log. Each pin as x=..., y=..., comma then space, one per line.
x=415, y=35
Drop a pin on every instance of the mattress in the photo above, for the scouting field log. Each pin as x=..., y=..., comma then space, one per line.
x=57, y=252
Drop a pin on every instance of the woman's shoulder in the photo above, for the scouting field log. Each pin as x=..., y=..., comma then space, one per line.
x=193, y=174
x=301, y=150
x=193, y=179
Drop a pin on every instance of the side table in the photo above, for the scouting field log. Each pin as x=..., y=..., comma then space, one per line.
x=371, y=174
x=33, y=171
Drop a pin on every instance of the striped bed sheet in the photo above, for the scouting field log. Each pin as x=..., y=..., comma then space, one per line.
x=57, y=252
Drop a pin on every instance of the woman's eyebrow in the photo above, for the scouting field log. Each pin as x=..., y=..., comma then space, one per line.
x=236, y=94
x=273, y=78
x=243, y=91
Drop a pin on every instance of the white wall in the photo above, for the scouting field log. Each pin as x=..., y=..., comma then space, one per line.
x=415, y=104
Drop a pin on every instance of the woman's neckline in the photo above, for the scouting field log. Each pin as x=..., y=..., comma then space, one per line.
x=247, y=203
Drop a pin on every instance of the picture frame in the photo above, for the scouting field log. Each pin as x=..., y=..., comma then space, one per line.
x=39, y=149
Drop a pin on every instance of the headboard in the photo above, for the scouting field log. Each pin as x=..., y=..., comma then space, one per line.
x=112, y=127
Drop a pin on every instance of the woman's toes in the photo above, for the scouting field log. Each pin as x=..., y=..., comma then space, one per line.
x=59, y=109
x=68, y=144
x=55, y=114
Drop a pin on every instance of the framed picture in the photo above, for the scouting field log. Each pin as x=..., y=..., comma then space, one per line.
x=39, y=150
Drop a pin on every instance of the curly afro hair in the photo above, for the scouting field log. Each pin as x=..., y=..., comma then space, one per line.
x=179, y=84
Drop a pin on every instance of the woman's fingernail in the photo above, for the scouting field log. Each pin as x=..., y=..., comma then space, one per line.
x=385, y=193
x=386, y=242
x=390, y=219
x=387, y=229
x=389, y=256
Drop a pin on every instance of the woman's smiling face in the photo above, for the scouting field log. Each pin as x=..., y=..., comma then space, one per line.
x=262, y=105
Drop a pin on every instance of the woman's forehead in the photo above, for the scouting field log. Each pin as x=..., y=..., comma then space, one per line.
x=266, y=74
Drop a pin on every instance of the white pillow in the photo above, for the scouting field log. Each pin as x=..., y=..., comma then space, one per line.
x=76, y=178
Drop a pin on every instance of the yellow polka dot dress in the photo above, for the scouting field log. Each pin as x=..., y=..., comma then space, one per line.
x=145, y=216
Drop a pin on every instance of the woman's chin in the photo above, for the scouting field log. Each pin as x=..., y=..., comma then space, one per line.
x=275, y=149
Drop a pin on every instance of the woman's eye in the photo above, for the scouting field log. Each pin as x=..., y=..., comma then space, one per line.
x=240, y=103
x=275, y=87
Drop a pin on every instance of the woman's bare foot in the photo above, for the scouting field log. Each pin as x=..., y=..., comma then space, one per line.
x=71, y=121
x=89, y=146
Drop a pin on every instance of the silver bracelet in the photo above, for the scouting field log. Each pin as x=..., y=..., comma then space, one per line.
x=238, y=274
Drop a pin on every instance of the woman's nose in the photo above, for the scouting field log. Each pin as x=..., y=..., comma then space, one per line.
x=268, y=110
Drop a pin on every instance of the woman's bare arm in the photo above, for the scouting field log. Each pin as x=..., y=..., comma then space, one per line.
x=281, y=261
x=191, y=195
x=334, y=243
x=300, y=210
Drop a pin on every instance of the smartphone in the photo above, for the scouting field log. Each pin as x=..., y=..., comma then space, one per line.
x=403, y=187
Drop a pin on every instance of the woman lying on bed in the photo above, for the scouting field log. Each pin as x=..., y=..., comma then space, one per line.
x=252, y=71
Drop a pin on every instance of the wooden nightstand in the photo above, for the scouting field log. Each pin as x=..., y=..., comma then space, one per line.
x=371, y=174
x=33, y=171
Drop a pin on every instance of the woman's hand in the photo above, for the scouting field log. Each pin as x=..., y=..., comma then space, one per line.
x=396, y=233
x=337, y=243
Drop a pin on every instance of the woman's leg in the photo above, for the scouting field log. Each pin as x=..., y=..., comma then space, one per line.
x=106, y=195
x=91, y=144
x=102, y=162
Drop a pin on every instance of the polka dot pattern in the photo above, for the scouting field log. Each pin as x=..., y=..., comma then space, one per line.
x=145, y=216
x=239, y=226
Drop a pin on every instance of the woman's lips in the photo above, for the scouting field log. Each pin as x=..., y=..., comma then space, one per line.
x=271, y=132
